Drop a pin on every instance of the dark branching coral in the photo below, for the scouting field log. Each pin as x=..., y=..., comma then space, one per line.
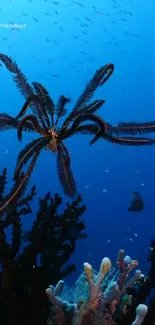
x=26, y=272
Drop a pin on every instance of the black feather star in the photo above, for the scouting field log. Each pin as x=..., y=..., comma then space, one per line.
x=132, y=128
x=45, y=122
x=94, y=118
x=43, y=94
x=65, y=174
x=8, y=122
x=108, y=132
x=100, y=77
x=29, y=151
x=20, y=187
x=18, y=77
x=25, y=89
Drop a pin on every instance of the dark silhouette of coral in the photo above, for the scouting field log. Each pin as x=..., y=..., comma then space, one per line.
x=26, y=271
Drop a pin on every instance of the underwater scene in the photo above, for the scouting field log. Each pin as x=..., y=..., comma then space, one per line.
x=77, y=162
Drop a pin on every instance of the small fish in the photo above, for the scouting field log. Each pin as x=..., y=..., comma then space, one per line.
x=88, y=19
x=91, y=60
x=54, y=41
x=136, y=203
x=35, y=19
x=55, y=3
x=86, y=25
x=78, y=3
x=99, y=12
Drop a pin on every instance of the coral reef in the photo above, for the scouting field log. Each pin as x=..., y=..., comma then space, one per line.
x=142, y=293
x=26, y=270
x=107, y=297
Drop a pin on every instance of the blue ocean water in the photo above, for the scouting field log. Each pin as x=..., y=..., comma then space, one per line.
x=61, y=44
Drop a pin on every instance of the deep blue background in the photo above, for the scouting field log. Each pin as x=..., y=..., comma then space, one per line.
x=121, y=32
